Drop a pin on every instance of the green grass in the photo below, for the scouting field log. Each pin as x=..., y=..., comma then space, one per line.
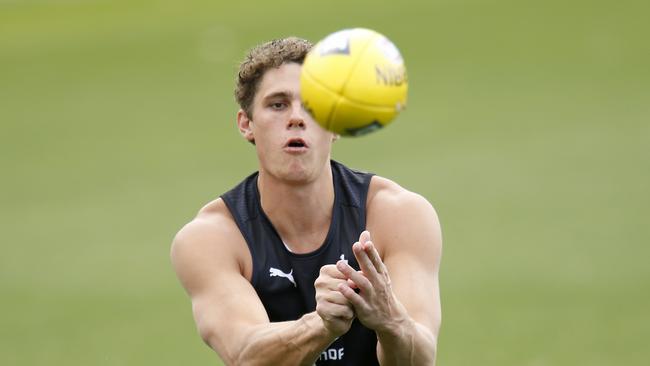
x=527, y=127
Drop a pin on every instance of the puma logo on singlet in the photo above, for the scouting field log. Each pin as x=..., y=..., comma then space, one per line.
x=343, y=258
x=273, y=272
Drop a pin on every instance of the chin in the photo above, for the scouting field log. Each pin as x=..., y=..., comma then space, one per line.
x=294, y=169
x=297, y=172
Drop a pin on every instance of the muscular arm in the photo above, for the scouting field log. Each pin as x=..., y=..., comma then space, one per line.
x=412, y=251
x=399, y=296
x=207, y=255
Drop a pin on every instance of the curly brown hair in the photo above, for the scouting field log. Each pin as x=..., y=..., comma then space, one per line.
x=261, y=58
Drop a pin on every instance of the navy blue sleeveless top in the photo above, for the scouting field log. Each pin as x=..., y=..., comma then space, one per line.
x=284, y=281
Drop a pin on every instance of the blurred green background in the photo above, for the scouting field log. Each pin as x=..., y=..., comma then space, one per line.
x=528, y=128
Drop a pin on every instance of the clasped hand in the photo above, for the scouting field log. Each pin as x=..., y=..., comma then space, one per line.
x=374, y=303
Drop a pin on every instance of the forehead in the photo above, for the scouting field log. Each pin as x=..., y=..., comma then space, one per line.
x=285, y=78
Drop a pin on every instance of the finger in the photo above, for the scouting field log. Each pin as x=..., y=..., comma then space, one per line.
x=347, y=313
x=331, y=271
x=328, y=283
x=335, y=297
x=359, y=279
x=355, y=299
x=324, y=290
x=364, y=262
x=364, y=237
x=373, y=254
x=329, y=311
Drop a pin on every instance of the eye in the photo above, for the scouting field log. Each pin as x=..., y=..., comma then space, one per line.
x=278, y=105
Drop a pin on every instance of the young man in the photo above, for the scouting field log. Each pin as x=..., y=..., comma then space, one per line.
x=292, y=266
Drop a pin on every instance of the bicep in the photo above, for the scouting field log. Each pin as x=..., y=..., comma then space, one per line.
x=411, y=241
x=225, y=311
x=416, y=286
x=224, y=304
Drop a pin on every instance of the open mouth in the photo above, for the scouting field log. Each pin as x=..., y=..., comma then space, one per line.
x=296, y=143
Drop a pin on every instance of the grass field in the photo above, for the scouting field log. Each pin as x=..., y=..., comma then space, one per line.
x=528, y=128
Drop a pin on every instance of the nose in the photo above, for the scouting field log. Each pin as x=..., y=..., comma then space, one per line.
x=297, y=117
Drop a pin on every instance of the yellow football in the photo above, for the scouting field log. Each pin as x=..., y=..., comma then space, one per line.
x=354, y=82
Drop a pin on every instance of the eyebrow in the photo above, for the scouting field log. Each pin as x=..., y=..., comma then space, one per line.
x=279, y=94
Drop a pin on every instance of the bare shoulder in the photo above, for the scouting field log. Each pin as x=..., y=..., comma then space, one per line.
x=405, y=229
x=388, y=201
x=397, y=217
x=211, y=239
x=213, y=219
x=384, y=193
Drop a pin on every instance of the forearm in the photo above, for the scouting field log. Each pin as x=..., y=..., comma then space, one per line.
x=298, y=342
x=408, y=343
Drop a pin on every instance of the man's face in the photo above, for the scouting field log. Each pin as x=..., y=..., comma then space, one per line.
x=290, y=145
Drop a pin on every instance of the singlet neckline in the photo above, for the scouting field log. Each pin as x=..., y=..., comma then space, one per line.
x=330, y=232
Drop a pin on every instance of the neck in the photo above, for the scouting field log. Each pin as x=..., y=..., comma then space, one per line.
x=300, y=212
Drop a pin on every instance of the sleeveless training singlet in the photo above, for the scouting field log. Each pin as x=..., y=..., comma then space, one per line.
x=284, y=281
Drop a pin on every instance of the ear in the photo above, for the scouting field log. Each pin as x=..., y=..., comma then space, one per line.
x=244, y=125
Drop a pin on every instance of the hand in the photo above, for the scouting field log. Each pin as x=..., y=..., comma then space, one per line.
x=375, y=305
x=331, y=305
